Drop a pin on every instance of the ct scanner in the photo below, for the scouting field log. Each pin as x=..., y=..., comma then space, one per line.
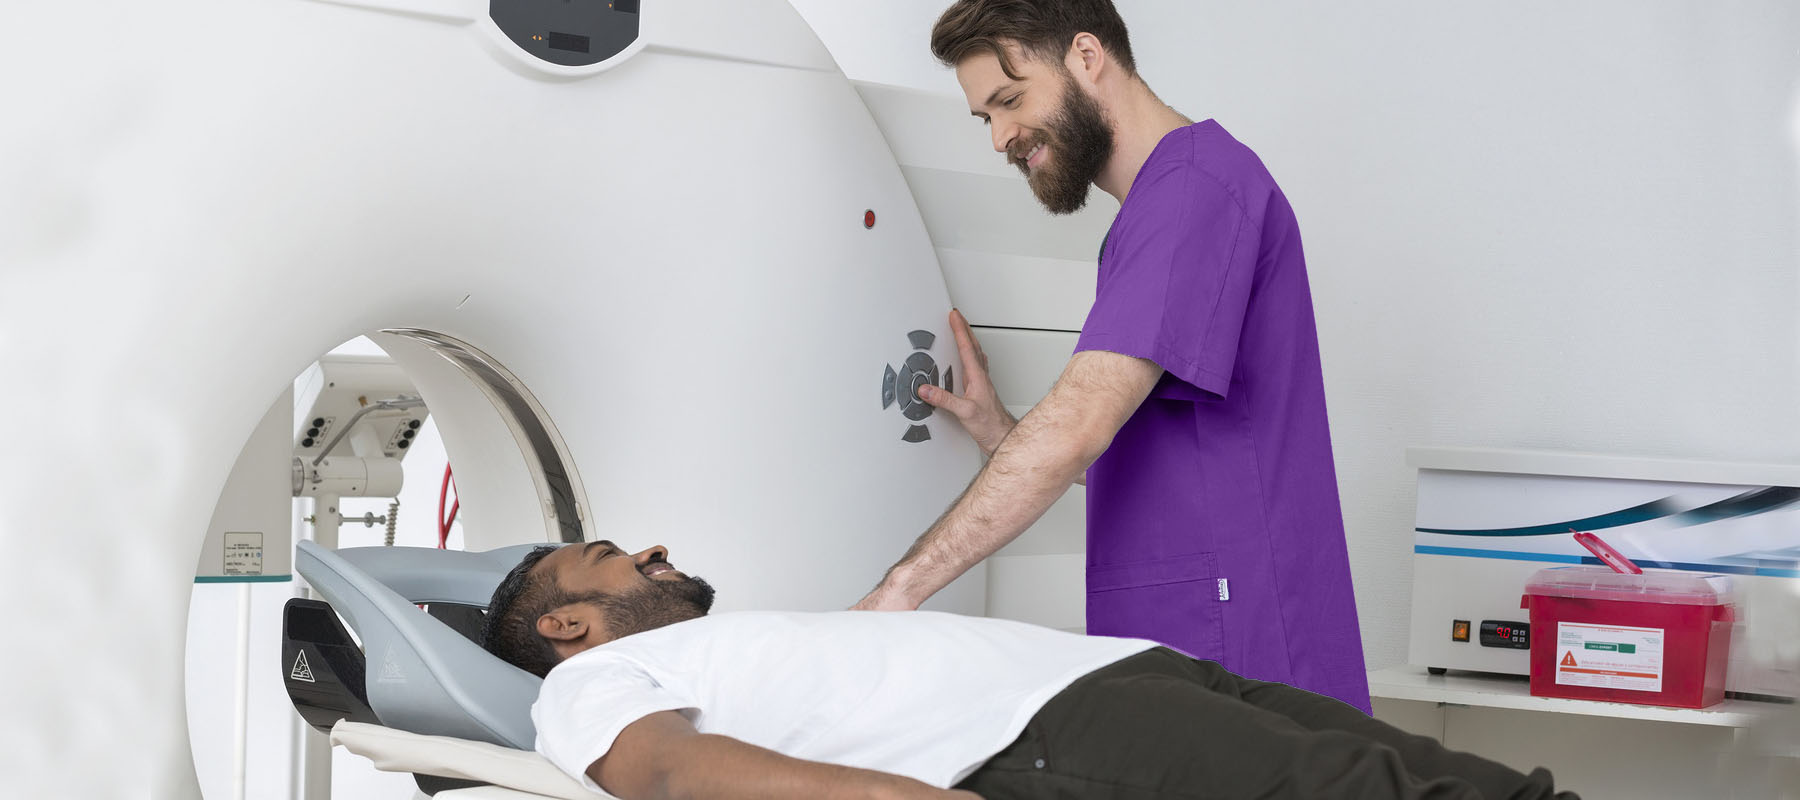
x=638, y=294
x=639, y=290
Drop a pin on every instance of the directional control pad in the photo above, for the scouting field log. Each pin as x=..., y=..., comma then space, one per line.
x=920, y=371
x=901, y=386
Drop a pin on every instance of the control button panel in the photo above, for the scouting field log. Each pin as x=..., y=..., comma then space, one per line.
x=901, y=386
x=1503, y=633
x=919, y=371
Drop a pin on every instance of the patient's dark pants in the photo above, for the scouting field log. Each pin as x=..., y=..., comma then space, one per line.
x=1162, y=725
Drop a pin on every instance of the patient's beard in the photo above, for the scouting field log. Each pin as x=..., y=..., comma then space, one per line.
x=662, y=602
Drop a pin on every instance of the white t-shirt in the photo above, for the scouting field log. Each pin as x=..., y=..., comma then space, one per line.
x=923, y=694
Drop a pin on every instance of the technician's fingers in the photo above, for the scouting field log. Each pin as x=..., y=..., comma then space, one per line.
x=980, y=354
x=961, y=407
x=974, y=361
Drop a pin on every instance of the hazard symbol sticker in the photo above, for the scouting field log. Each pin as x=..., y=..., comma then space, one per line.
x=391, y=672
x=1609, y=656
x=301, y=671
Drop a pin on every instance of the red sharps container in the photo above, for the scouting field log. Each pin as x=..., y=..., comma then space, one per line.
x=1660, y=638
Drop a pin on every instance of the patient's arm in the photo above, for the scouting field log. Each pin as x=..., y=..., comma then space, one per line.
x=662, y=756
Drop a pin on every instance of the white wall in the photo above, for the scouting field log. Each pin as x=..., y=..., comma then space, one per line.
x=1535, y=225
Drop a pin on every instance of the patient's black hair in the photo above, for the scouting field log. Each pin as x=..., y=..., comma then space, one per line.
x=510, y=630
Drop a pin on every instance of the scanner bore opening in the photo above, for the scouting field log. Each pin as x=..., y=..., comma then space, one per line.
x=234, y=628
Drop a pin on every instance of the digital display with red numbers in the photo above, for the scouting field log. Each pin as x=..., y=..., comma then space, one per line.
x=1505, y=633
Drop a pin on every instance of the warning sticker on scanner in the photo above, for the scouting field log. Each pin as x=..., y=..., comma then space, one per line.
x=1609, y=656
x=243, y=554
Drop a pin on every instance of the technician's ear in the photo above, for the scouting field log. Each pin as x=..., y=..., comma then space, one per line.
x=562, y=625
x=1085, y=58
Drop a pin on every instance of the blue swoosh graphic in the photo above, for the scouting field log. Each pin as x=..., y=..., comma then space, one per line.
x=1655, y=509
x=1748, y=504
x=1785, y=570
x=1751, y=503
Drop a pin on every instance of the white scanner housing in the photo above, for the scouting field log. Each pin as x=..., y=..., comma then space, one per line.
x=638, y=296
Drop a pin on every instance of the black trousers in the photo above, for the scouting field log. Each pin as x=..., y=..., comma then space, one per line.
x=1162, y=725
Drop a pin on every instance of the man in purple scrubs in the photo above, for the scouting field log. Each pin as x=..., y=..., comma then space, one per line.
x=1193, y=405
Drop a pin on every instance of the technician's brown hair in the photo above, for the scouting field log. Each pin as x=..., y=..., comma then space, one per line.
x=1044, y=29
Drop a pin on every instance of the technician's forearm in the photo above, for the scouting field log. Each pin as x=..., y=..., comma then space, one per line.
x=1033, y=467
x=722, y=768
x=1045, y=452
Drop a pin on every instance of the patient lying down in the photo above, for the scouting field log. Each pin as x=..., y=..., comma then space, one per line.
x=650, y=697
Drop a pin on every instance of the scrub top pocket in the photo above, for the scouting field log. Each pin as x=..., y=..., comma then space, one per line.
x=1175, y=601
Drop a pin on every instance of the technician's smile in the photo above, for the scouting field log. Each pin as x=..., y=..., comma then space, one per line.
x=1030, y=159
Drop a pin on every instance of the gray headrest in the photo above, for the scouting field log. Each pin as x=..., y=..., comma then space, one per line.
x=423, y=676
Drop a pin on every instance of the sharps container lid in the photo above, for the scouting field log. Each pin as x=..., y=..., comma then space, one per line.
x=1654, y=586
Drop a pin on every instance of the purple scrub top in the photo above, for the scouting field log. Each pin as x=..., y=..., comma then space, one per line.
x=1213, y=519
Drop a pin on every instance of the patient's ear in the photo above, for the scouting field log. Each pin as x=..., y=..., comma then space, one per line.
x=566, y=624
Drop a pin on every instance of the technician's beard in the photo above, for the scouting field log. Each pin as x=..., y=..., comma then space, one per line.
x=661, y=603
x=1081, y=142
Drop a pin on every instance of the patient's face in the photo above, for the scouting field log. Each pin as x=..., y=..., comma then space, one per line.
x=632, y=592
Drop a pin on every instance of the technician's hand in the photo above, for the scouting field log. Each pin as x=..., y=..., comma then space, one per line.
x=978, y=408
x=884, y=599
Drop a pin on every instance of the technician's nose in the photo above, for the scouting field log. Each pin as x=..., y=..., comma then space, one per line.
x=1003, y=134
x=657, y=553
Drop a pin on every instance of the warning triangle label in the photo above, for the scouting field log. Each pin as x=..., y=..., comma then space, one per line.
x=1568, y=659
x=390, y=668
x=301, y=671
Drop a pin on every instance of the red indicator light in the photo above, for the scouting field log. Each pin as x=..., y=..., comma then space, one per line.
x=869, y=219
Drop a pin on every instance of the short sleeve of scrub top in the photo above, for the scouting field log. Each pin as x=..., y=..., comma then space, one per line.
x=1176, y=279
